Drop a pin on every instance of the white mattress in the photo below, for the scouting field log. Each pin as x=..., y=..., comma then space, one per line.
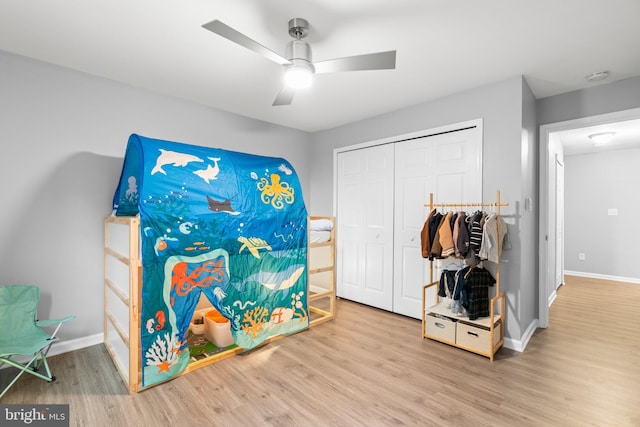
x=319, y=236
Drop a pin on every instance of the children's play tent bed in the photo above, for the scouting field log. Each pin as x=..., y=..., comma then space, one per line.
x=206, y=256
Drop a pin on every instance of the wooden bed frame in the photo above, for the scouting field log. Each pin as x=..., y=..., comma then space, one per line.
x=122, y=296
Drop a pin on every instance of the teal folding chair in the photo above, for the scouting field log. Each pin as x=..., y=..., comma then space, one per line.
x=21, y=334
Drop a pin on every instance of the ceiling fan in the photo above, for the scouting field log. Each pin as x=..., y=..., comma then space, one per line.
x=299, y=68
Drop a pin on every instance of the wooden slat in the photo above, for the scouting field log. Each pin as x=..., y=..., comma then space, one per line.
x=121, y=295
x=321, y=270
x=119, y=329
x=117, y=255
x=319, y=295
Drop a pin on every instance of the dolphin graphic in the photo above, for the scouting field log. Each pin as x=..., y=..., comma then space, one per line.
x=173, y=158
x=211, y=172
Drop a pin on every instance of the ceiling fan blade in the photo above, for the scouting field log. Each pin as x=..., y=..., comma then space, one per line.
x=284, y=97
x=369, y=61
x=237, y=37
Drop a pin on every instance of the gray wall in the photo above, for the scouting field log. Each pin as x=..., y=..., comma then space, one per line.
x=63, y=136
x=595, y=183
x=601, y=99
x=528, y=211
x=508, y=112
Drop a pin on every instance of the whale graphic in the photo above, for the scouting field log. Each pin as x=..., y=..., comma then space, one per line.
x=277, y=280
x=211, y=172
x=172, y=158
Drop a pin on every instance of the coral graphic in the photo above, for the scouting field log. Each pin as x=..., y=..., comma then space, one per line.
x=275, y=192
x=296, y=305
x=163, y=352
x=254, y=321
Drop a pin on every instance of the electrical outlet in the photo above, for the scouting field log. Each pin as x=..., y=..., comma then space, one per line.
x=612, y=212
x=581, y=256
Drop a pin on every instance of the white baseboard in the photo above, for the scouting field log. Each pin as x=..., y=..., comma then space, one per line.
x=76, y=344
x=552, y=297
x=603, y=276
x=520, y=345
x=61, y=347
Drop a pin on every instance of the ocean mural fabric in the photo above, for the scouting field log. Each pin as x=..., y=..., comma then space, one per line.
x=229, y=225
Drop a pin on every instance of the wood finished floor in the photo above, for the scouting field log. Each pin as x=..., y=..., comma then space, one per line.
x=371, y=368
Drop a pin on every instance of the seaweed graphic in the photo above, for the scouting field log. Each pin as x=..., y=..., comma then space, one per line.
x=296, y=304
x=230, y=313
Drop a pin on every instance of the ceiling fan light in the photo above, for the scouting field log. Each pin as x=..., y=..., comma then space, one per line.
x=298, y=77
x=602, y=137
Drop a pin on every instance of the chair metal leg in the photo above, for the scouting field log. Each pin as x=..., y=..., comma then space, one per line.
x=28, y=369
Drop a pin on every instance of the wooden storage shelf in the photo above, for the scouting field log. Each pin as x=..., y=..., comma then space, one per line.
x=483, y=336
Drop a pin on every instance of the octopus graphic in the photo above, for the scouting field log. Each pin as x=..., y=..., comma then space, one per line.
x=205, y=275
x=275, y=192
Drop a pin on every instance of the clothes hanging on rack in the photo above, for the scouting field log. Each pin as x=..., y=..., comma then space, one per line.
x=475, y=283
x=446, y=236
x=425, y=239
x=490, y=238
x=447, y=283
x=436, y=246
x=461, y=236
x=471, y=237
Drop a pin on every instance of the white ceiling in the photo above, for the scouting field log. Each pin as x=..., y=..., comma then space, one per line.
x=577, y=141
x=443, y=47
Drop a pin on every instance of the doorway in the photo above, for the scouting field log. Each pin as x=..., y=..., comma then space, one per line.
x=552, y=151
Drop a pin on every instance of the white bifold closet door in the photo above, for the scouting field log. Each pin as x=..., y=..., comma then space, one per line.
x=365, y=231
x=381, y=192
x=447, y=165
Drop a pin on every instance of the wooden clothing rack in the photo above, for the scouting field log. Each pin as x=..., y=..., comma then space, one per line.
x=484, y=336
x=497, y=204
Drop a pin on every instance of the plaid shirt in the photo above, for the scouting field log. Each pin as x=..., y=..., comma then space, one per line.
x=476, y=287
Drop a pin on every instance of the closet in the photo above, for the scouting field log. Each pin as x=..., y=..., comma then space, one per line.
x=481, y=330
x=380, y=193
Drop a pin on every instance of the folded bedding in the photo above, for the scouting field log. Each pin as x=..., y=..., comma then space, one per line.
x=321, y=225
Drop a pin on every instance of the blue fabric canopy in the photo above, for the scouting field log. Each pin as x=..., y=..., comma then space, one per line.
x=230, y=225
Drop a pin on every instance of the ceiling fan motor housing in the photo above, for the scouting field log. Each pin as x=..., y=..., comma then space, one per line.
x=298, y=51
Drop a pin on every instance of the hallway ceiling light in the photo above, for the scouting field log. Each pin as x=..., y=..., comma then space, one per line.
x=602, y=138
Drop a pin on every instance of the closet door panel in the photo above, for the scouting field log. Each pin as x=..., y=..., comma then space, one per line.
x=365, y=238
x=449, y=185
x=458, y=166
x=414, y=170
x=448, y=165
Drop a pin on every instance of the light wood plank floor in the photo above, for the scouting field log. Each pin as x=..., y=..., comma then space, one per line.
x=371, y=368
